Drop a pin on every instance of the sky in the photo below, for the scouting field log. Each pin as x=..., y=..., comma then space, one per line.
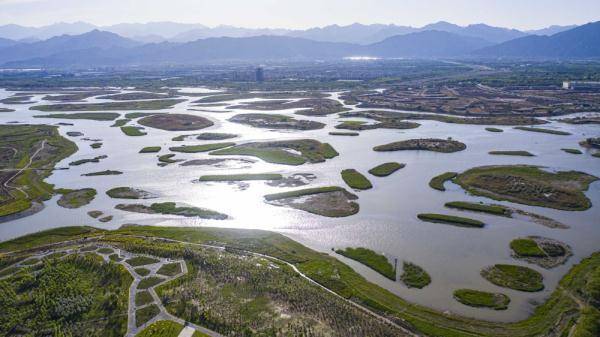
x=298, y=14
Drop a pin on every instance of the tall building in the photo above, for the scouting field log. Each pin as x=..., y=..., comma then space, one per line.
x=260, y=74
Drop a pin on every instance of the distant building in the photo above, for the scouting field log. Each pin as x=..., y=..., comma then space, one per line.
x=580, y=85
x=260, y=74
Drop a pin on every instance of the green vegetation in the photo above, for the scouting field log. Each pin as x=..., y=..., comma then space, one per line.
x=572, y=151
x=331, y=201
x=134, y=115
x=109, y=106
x=386, y=169
x=429, y=144
x=96, y=145
x=437, y=182
x=150, y=149
x=346, y=282
x=482, y=299
x=99, y=116
x=541, y=130
x=143, y=297
x=480, y=207
x=145, y=314
x=414, y=276
x=129, y=193
x=87, y=160
x=105, y=250
x=529, y=185
x=339, y=133
x=168, y=159
x=150, y=282
x=172, y=209
x=526, y=247
x=514, y=277
x=133, y=131
x=76, y=198
x=142, y=271
x=141, y=261
x=29, y=153
x=200, y=148
x=302, y=193
x=369, y=258
x=494, y=130
x=175, y=122
x=545, y=252
x=242, y=177
x=48, y=237
x=74, y=296
x=451, y=220
x=103, y=173
x=161, y=329
x=356, y=180
x=170, y=269
x=280, y=152
x=120, y=122
x=273, y=121
x=214, y=136
x=129, y=96
x=512, y=153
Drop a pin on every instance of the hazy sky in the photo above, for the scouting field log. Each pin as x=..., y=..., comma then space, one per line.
x=522, y=14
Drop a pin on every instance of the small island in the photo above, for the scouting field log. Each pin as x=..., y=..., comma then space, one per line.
x=429, y=144
x=514, y=277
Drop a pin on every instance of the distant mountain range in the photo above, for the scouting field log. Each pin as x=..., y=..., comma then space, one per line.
x=101, y=48
x=579, y=42
x=181, y=32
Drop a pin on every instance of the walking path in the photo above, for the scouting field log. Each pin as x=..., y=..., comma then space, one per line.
x=133, y=328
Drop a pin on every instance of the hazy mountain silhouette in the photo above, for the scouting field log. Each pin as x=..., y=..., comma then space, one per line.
x=580, y=42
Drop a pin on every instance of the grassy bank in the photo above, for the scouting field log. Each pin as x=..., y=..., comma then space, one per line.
x=369, y=258
x=451, y=220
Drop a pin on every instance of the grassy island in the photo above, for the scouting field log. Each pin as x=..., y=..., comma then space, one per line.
x=541, y=130
x=451, y=220
x=482, y=299
x=273, y=121
x=242, y=177
x=330, y=201
x=529, y=185
x=514, y=277
x=286, y=152
x=171, y=208
x=356, y=180
x=494, y=130
x=133, y=131
x=429, y=144
x=572, y=151
x=545, y=252
x=175, y=122
x=414, y=276
x=437, y=182
x=76, y=198
x=151, y=149
x=371, y=259
x=480, y=207
x=200, y=148
x=512, y=153
x=386, y=169
x=110, y=106
x=94, y=116
x=129, y=193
